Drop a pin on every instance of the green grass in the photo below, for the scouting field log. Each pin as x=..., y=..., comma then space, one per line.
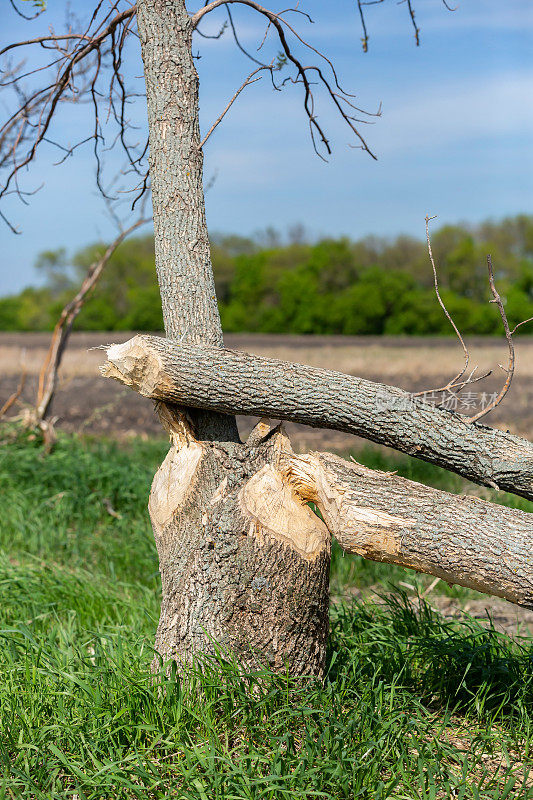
x=414, y=706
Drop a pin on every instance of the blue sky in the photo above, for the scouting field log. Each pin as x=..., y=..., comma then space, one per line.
x=454, y=138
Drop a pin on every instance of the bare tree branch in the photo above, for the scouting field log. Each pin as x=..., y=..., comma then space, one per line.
x=63, y=327
x=41, y=39
x=21, y=14
x=360, y=5
x=75, y=73
x=415, y=26
x=237, y=41
x=497, y=300
x=524, y=322
x=280, y=24
x=454, y=381
x=219, y=119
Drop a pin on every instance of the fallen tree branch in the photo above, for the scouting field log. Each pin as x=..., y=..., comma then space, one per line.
x=234, y=382
x=380, y=516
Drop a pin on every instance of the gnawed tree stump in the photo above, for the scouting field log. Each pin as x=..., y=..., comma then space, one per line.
x=244, y=561
x=236, y=574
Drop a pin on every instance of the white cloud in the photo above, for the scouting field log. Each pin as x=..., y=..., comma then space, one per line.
x=473, y=109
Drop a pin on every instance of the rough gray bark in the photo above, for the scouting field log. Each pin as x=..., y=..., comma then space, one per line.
x=182, y=255
x=242, y=566
x=183, y=259
x=378, y=515
x=236, y=382
x=244, y=563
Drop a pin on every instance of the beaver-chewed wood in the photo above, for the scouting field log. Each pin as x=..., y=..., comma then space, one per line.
x=234, y=382
x=459, y=538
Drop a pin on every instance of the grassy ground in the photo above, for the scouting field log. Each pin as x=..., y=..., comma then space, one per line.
x=414, y=705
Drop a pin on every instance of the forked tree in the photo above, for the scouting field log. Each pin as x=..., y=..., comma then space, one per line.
x=244, y=558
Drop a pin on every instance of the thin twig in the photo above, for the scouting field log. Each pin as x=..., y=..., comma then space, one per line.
x=530, y=319
x=430, y=588
x=246, y=83
x=16, y=394
x=457, y=386
x=360, y=5
x=237, y=41
x=452, y=323
x=509, y=337
x=415, y=26
x=41, y=39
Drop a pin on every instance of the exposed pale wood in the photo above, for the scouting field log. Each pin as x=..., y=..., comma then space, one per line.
x=244, y=562
x=236, y=382
x=462, y=539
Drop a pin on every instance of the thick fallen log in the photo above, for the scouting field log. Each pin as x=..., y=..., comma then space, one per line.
x=234, y=382
x=380, y=516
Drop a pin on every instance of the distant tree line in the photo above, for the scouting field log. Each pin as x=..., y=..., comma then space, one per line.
x=291, y=284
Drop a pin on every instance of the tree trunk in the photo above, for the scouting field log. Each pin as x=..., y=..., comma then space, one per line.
x=176, y=171
x=244, y=565
x=244, y=562
x=223, y=380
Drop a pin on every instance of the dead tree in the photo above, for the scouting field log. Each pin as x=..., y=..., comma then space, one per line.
x=244, y=560
x=50, y=370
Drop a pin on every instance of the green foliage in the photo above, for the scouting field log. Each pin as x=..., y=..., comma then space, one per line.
x=333, y=286
x=31, y=310
x=414, y=707
x=10, y=317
